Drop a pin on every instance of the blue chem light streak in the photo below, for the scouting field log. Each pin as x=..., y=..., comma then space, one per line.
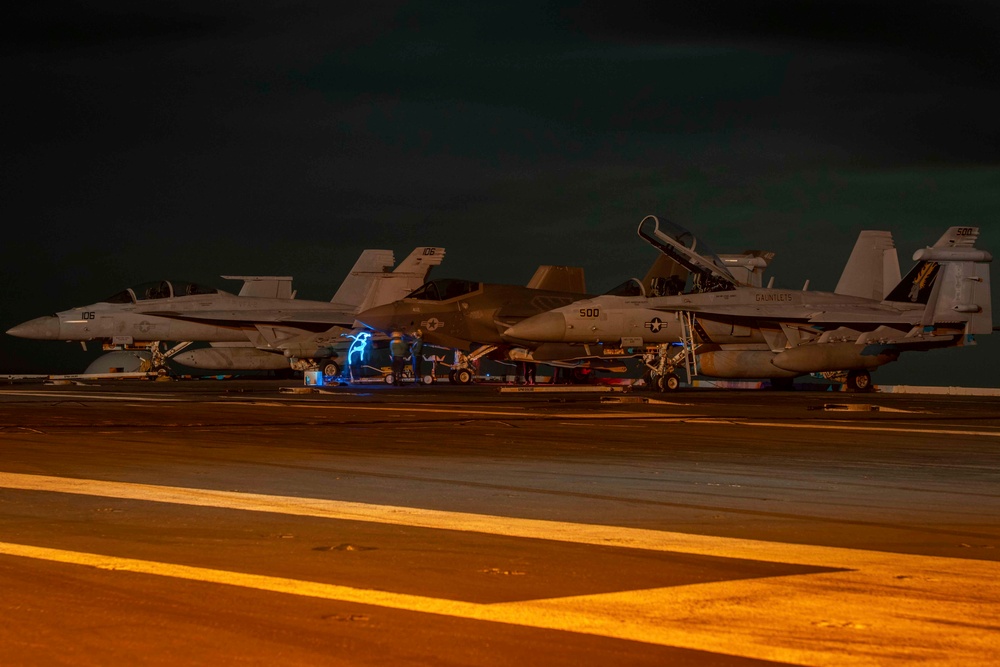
x=359, y=342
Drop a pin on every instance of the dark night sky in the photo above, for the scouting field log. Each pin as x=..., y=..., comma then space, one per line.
x=193, y=139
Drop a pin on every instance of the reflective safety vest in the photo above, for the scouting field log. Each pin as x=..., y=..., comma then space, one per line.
x=397, y=347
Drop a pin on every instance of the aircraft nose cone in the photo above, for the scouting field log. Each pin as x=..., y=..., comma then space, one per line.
x=40, y=328
x=545, y=327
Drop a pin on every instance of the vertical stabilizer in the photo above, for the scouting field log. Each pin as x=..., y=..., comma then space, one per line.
x=559, y=279
x=873, y=267
x=411, y=273
x=952, y=280
x=371, y=263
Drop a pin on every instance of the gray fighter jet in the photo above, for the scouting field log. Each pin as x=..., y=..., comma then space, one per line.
x=717, y=328
x=472, y=317
x=262, y=327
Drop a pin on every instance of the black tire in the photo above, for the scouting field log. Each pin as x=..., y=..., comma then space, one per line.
x=329, y=367
x=463, y=376
x=669, y=383
x=859, y=381
x=390, y=379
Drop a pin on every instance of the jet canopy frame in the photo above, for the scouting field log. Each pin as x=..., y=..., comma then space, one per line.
x=444, y=289
x=708, y=271
x=161, y=289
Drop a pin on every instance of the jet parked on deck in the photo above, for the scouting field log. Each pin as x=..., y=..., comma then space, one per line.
x=724, y=330
x=263, y=327
x=472, y=317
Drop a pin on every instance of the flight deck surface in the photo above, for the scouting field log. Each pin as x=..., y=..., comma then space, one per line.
x=258, y=522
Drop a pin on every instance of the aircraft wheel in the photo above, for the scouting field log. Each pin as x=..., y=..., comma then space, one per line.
x=669, y=383
x=463, y=376
x=860, y=381
x=451, y=377
x=390, y=379
x=427, y=379
x=329, y=367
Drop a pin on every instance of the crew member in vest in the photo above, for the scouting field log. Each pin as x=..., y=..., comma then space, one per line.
x=416, y=347
x=397, y=350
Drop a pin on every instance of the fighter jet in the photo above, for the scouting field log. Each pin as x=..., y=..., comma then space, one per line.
x=472, y=317
x=262, y=327
x=724, y=330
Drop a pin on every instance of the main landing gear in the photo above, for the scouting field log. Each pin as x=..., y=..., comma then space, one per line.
x=859, y=381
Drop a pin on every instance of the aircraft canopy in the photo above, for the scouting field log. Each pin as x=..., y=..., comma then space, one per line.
x=443, y=289
x=160, y=289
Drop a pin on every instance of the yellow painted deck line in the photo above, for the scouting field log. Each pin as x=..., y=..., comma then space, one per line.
x=769, y=619
x=875, y=429
x=887, y=609
x=92, y=396
x=463, y=411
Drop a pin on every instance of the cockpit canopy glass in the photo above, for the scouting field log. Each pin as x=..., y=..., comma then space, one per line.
x=691, y=242
x=442, y=290
x=631, y=287
x=708, y=272
x=160, y=289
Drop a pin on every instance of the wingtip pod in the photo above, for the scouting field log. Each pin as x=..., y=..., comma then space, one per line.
x=955, y=245
x=952, y=254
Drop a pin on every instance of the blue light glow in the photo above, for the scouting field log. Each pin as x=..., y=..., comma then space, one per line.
x=359, y=342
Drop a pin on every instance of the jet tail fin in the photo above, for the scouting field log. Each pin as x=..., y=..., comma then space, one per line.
x=273, y=287
x=873, y=267
x=421, y=261
x=411, y=273
x=371, y=263
x=952, y=280
x=559, y=279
